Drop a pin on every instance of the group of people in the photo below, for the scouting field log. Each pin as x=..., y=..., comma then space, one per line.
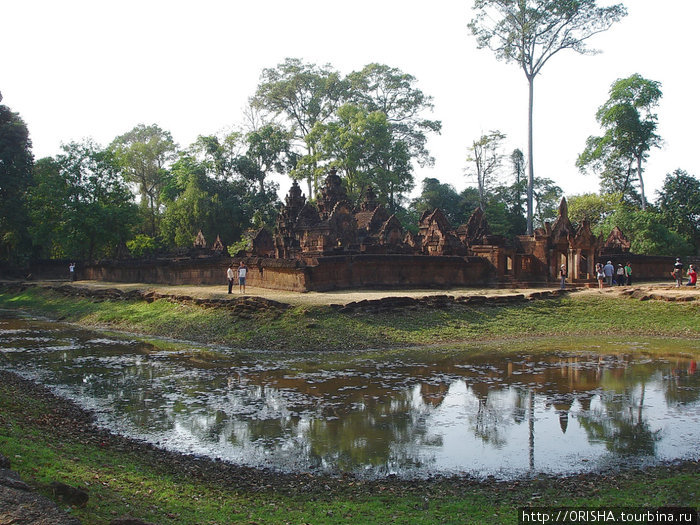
x=231, y=276
x=622, y=275
x=677, y=274
x=610, y=275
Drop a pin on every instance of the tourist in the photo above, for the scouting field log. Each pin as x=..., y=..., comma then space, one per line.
x=678, y=272
x=562, y=275
x=600, y=275
x=242, y=271
x=620, y=275
x=609, y=270
x=71, y=271
x=628, y=274
x=692, y=276
x=230, y=276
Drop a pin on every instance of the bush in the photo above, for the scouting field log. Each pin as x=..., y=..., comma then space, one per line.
x=141, y=245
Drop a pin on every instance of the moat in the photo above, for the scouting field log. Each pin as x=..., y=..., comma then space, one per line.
x=548, y=406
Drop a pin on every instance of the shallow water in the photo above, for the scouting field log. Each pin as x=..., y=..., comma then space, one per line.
x=581, y=405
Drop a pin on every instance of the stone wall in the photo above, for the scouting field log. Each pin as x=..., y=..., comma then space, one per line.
x=398, y=271
x=326, y=273
x=338, y=272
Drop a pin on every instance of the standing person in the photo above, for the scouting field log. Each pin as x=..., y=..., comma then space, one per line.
x=71, y=271
x=678, y=272
x=609, y=270
x=230, y=276
x=242, y=271
x=628, y=274
x=562, y=276
x=692, y=276
x=620, y=275
x=600, y=275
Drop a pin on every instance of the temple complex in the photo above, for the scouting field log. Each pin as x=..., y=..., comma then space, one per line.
x=332, y=244
x=311, y=234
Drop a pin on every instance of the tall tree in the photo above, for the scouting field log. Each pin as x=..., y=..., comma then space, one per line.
x=485, y=159
x=679, y=205
x=145, y=153
x=630, y=131
x=362, y=146
x=80, y=204
x=303, y=94
x=267, y=151
x=530, y=32
x=378, y=87
x=518, y=163
x=16, y=162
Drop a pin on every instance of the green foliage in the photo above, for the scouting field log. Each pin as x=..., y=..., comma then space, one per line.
x=679, y=205
x=361, y=145
x=141, y=245
x=368, y=124
x=144, y=154
x=16, y=162
x=485, y=159
x=630, y=132
x=646, y=232
x=238, y=246
x=592, y=207
x=196, y=202
x=388, y=90
x=268, y=150
x=435, y=194
x=80, y=205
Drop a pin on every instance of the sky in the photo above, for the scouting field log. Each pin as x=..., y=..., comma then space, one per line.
x=95, y=69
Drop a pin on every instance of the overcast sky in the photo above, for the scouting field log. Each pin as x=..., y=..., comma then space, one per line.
x=77, y=69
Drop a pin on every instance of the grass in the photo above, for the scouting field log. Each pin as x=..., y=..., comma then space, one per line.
x=322, y=328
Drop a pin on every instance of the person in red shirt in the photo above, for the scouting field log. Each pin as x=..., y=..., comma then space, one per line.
x=692, y=276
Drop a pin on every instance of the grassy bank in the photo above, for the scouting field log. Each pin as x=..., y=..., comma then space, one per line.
x=321, y=327
x=48, y=439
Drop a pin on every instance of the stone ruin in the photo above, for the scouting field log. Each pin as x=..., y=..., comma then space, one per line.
x=334, y=227
x=306, y=232
x=333, y=244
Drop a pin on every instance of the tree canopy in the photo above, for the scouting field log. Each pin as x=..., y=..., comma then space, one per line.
x=16, y=161
x=530, y=33
x=630, y=132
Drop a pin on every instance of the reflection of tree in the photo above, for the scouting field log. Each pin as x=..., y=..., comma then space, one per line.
x=377, y=413
x=619, y=423
x=490, y=420
x=383, y=432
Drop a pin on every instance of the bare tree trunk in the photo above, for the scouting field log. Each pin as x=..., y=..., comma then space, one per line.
x=530, y=169
x=641, y=182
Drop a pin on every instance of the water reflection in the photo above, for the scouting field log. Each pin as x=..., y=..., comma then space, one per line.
x=566, y=411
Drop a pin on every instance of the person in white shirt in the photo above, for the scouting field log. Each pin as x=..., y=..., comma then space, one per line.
x=242, y=271
x=230, y=276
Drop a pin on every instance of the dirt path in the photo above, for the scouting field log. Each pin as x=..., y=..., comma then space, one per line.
x=652, y=290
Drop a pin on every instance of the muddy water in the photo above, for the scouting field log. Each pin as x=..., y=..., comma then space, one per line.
x=577, y=406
